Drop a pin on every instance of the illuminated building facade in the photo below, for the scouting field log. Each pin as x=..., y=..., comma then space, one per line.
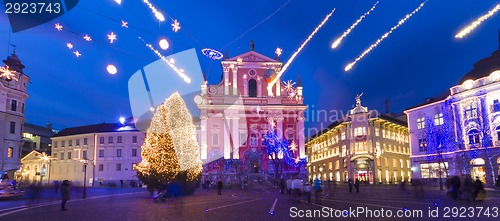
x=458, y=132
x=236, y=114
x=111, y=150
x=366, y=145
x=13, y=97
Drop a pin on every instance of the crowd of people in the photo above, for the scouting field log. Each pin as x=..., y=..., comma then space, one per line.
x=470, y=190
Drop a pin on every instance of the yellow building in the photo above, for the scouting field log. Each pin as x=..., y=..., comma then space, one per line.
x=366, y=145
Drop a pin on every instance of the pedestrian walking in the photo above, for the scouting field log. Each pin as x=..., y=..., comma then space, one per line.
x=64, y=194
x=317, y=189
x=468, y=188
x=297, y=188
x=349, y=183
x=282, y=186
x=478, y=190
x=219, y=187
x=289, y=186
x=307, y=191
x=356, y=185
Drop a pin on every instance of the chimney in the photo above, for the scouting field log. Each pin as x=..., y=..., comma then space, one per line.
x=387, y=107
x=252, y=45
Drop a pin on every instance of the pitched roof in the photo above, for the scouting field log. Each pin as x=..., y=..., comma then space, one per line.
x=443, y=95
x=96, y=128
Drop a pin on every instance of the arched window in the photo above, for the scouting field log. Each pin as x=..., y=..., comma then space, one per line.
x=252, y=88
x=253, y=140
x=473, y=136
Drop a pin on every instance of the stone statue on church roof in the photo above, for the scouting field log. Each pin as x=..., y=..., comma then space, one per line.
x=358, y=99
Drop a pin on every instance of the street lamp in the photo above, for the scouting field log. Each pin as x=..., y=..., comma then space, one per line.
x=85, y=163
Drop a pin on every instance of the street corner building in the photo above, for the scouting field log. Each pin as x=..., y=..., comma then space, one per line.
x=13, y=95
x=457, y=132
x=237, y=113
x=364, y=145
x=103, y=154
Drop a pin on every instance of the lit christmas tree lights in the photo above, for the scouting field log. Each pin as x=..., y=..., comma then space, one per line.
x=159, y=161
x=183, y=132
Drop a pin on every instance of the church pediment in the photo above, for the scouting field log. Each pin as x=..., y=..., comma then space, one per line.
x=252, y=56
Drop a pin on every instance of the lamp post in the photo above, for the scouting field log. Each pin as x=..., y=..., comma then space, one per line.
x=85, y=163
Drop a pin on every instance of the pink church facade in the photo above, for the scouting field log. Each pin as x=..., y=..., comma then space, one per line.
x=237, y=113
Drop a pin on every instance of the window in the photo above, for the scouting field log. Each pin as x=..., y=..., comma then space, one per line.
x=343, y=136
x=22, y=108
x=433, y=170
x=496, y=105
x=253, y=140
x=471, y=111
x=497, y=129
x=101, y=140
x=359, y=131
x=119, y=139
x=55, y=156
x=421, y=123
x=118, y=152
x=243, y=139
x=422, y=145
x=134, y=139
x=69, y=155
x=101, y=167
x=13, y=105
x=70, y=143
x=134, y=152
x=118, y=167
x=215, y=139
x=110, y=139
x=376, y=132
x=252, y=88
x=408, y=164
x=63, y=143
x=55, y=143
x=383, y=133
x=84, y=154
x=101, y=153
x=401, y=165
x=77, y=142
x=386, y=162
x=473, y=136
x=344, y=151
x=438, y=119
x=62, y=156
x=337, y=164
x=133, y=166
x=85, y=141
x=345, y=163
x=10, y=152
x=378, y=161
x=12, y=127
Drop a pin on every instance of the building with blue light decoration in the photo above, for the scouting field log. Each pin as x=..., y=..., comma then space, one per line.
x=458, y=131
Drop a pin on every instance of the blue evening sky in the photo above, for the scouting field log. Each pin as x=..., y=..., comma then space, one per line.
x=420, y=59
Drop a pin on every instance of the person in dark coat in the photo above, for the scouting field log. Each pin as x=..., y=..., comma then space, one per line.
x=349, y=183
x=356, y=185
x=64, y=194
x=219, y=187
x=478, y=187
x=282, y=186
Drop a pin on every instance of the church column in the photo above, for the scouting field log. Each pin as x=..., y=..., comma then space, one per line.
x=226, y=129
x=236, y=137
x=279, y=127
x=278, y=88
x=300, y=132
x=226, y=79
x=235, y=81
x=203, y=137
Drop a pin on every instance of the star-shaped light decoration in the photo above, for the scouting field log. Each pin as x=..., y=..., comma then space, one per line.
x=111, y=37
x=176, y=26
x=271, y=122
x=203, y=127
x=77, y=53
x=124, y=24
x=289, y=85
x=58, y=27
x=278, y=51
x=87, y=37
x=297, y=160
x=293, y=147
x=69, y=45
x=292, y=94
x=8, y=74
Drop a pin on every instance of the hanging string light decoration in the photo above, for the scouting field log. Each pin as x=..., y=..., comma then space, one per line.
x=465, y=31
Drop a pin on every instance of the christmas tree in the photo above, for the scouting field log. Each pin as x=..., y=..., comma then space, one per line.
x=183, y=132
x=159, y=163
